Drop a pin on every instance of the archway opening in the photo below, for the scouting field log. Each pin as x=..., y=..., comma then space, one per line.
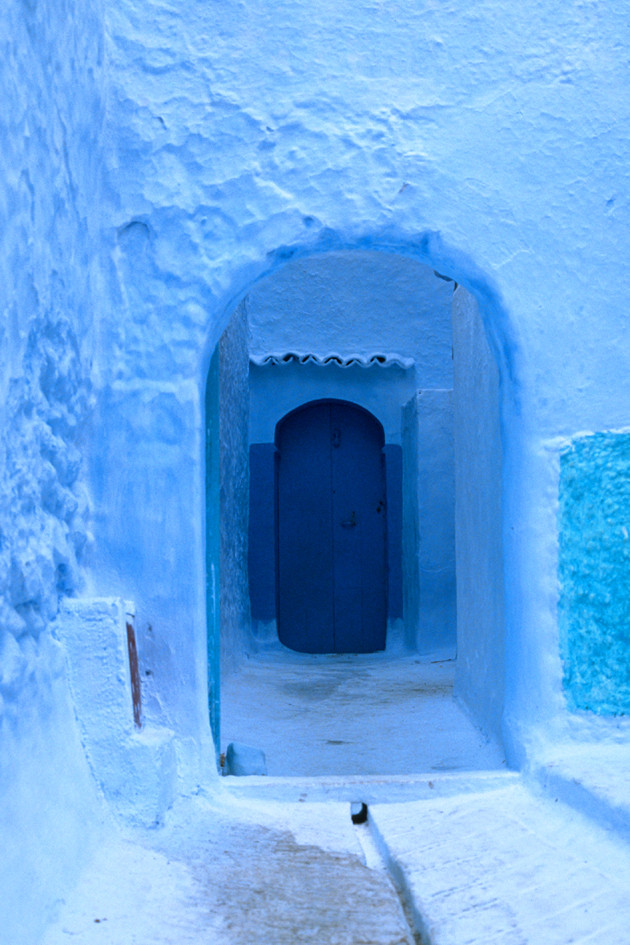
x=400, y=342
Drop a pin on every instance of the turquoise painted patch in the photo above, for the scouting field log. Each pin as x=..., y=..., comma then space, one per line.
x=594, y=571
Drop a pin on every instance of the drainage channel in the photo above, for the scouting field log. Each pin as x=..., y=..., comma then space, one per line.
x=375, y=860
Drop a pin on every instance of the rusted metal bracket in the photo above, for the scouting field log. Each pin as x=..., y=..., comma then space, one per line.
x=134, y=672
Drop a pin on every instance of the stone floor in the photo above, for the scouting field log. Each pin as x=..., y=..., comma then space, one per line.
x=507, y=867
x=372, y=714
x=456, y=850
x=503, y=866
x=239, y=874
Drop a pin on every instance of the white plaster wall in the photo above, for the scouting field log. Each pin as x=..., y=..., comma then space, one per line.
x=451, y=133
x=478, y=518
x=51, y=87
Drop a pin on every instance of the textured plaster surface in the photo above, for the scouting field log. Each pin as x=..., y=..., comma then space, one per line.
x=50, y=172
x=234, y=488
x=133, y=765
x=478, y=522
x=594, y=572
x=451, y=134
x=356, y=304
x=235, y=140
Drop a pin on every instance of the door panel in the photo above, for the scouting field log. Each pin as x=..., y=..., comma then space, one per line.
x=358, y=531
x=305, y=563
x=332, y=569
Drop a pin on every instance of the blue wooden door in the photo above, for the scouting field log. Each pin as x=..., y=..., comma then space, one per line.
x=331, y=530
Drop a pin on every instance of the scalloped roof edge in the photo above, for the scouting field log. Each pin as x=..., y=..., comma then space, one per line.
x=370, y=360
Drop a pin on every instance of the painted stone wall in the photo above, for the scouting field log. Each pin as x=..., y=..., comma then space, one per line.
x=234, y=489
x=428, y=530
x=356, y=303
x=50, y=183
x=452, y=134
x=276, y=389
x=478, y=518
x=594, y=572
x=434, y=483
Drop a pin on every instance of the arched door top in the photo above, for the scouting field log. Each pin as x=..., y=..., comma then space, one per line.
x=378, y=426
x=331, y=529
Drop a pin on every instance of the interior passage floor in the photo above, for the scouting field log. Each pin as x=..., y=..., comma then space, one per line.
x=351, y=715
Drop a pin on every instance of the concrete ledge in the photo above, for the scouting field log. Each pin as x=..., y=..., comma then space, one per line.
x=506, y=867
x=136, y=768
x=594, y=779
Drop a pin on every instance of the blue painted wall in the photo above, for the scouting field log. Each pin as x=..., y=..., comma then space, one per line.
x=52, y=89
x=356, y=303
x=594, y=571
x=234, y=489
x=480, y=563
x=394, y=491
x=213, y=545
x=428, y=537
x=276, y=389
x=262, y=531
x=449, y=134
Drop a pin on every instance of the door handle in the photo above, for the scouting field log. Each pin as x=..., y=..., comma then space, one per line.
x=350, y=522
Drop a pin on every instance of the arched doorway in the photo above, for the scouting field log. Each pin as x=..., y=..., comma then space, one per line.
x=321, y=328
x=331, y=529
